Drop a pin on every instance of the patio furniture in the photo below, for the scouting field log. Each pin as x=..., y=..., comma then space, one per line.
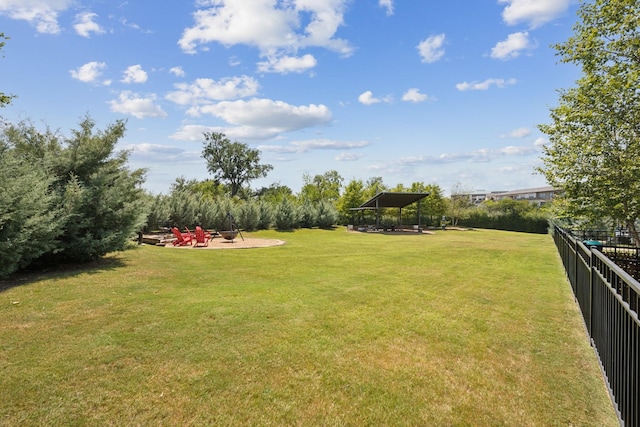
x=182, y=239
x=202, y=237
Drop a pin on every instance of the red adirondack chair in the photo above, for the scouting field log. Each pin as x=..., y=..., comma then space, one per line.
x=182, y=239
x=189, y=234
x=202, y=237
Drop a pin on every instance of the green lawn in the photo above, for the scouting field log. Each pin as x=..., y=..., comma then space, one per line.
x=333, y=328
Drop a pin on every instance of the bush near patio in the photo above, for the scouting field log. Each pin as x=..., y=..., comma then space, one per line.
x=186, y=207
x=66, y=199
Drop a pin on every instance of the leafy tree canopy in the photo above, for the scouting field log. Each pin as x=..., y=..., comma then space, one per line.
x=208, y=188
x=352, y=197
x=232, y=163
x=373, y=186
x=274, y=193
x=321, y=187
x=595, y=130
x=4, y=99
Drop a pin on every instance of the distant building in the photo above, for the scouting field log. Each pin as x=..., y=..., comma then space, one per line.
x=539, y=196
x=475, y=198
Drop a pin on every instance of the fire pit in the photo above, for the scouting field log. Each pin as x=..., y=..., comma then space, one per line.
x=232, y=230
x=228, y=234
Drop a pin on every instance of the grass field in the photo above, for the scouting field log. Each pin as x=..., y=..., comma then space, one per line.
x=333, y=328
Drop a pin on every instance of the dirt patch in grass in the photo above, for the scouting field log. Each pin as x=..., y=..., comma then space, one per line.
x=237, y=243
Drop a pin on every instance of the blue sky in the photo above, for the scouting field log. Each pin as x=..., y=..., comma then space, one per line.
x=440, y=92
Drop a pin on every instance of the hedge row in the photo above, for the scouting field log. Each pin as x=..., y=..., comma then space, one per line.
x=508, y=222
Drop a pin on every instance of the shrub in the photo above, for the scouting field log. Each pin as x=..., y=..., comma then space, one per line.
x=183, y=207
x=327, y=214
x=103, y=203
x=30, y=221
x=286, y=217
x=266, y=217
x=307, y=214
x=249, y=215
x=158, y=212
x=529, y=223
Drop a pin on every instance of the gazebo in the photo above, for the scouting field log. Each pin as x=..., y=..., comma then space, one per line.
x=392, y=200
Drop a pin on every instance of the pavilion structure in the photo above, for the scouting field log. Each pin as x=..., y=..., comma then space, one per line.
x=386, y=200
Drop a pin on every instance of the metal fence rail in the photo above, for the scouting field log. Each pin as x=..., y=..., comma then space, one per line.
x=608, y=298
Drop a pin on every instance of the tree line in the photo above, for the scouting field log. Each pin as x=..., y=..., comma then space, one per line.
x=74, y=199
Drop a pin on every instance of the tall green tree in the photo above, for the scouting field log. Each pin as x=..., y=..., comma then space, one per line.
x=459, y=204
x=509, y=206
x=4, y=99
x=595, y=130
x=373, y=186
x=321, y=187
x=432, y=207
x=274, y=193
x=352, y=197
x=207, y=188
x=232, y=163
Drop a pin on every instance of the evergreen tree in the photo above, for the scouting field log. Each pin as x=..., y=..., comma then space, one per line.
x=30, y=220
x=103, y=203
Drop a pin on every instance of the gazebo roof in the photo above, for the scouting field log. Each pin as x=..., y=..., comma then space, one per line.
x=392, y=200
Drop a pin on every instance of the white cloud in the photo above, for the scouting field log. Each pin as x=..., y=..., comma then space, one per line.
x=483, y=155
x=159, y=153
x=267, y=113
x=313, y=144
x=516, y=151
x=85, y=25
x=88, y=72
x=414, y=95
x=146, y=148
x=287, y=64
x=268, y=25
x=388, y=5
x=540, y=142
x=431, y=48
x=264, y=118
x=137, y=106
x=134, y=74
x=348, y=157
x=43, y=14
x=367, y=98
x=194, y=132
x=204, y=91
x=177, y=71
x=485, y=85
x=533, y=12
x=512, y=46
x=517, y=133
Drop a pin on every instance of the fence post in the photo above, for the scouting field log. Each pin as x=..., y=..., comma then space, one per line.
x=592, y=272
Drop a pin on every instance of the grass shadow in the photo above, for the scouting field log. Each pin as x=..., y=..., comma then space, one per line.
x=31, y=276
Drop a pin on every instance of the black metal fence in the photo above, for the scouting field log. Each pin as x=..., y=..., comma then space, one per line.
x=608, y=298
x=615, y=237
